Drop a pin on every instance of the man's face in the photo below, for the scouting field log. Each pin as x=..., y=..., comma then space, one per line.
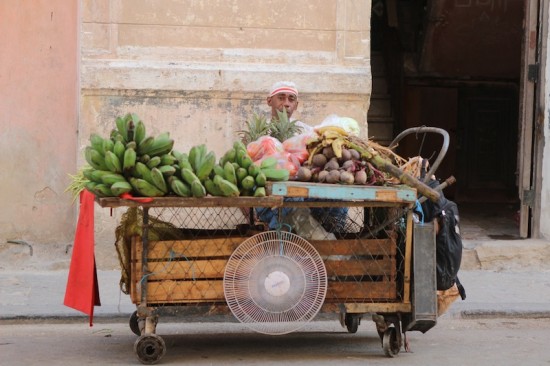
x=282, y=100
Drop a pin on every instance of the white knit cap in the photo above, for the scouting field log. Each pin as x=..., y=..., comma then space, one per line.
x=283, y=87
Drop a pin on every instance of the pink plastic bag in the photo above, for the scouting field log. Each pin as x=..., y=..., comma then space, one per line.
x=297, y=146
x=290, y=154
x=285, y=160
x=264, y=146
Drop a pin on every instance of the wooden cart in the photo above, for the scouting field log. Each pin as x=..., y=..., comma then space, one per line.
x=370, y=264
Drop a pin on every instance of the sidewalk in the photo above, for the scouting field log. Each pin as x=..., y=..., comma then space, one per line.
x=523, y=293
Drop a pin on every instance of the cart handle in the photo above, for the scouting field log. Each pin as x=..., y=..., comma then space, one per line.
x=424, y=129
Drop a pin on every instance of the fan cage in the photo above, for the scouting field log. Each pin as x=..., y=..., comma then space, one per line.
x=275, y=282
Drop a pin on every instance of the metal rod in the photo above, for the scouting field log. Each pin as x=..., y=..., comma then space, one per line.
x=144, y=255
x=408, y=261
x=424, y=129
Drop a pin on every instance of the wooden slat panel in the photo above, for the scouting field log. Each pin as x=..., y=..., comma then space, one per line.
x=214, y=269
x=225, y=247
x=366, y=307
x=187, y=270
x=355, y=247
x=208, y=201
x=212, y=291
x=361, y=291
x=383, y=267
x=210, y=247
x=378, y=307
x=162, y=287
x=185, y=291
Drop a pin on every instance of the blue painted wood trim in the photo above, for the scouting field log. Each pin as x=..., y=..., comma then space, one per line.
x=343, y=192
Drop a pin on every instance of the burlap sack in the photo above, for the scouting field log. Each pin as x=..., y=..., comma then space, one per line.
x=446, y=298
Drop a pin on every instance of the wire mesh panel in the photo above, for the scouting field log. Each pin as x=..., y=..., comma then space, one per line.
x=363, y=236
x=364, y=260
x=189, y=268
x=364, y=256
x=176, y=250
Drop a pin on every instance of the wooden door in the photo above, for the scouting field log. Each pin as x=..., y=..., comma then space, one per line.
x=528, y=89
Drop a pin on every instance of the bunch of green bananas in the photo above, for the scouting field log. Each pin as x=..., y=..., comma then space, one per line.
x=129, y=161
x=234, y=175
x=237, y=175
x=193, y=168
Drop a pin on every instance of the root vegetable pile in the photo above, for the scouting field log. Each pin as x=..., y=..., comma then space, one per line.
x=336, y=157
x=332, y=160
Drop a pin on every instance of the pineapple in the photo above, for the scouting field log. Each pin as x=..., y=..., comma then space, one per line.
x=254, y=129
x=282, y=128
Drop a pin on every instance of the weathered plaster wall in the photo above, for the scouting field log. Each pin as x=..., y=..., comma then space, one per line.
x=200, y=69
x=231, y=50
x=38, y=116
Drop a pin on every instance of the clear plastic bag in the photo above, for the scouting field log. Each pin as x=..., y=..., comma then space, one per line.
x=306, y=226
x=347, y=123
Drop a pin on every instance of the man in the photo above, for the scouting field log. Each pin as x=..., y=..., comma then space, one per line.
x=284, y=96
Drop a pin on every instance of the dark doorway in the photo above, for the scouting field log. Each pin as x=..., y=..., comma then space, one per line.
x=454, y=64
x=487, y=152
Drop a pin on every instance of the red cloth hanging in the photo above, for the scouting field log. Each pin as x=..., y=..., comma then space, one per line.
x=82, y=291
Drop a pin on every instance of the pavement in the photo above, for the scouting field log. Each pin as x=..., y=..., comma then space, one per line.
x=515, y=284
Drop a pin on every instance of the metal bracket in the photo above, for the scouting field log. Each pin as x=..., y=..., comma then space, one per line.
x=528, y=197
x=21, y=242
x=533, y=73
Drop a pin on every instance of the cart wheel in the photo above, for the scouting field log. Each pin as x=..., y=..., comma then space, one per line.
x=390, y=343
x=134, y=326
x=352, y=322
x=149, y=349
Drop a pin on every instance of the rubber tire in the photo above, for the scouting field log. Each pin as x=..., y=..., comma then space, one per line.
x=390, y=343
x=352, y=322
x=133, y=322
x=149, y=349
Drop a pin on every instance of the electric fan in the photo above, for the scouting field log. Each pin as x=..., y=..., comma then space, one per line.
x=275, y=282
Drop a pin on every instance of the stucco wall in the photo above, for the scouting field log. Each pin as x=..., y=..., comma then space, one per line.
x=200, y=69
x=38, y=116
x=229, y=50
